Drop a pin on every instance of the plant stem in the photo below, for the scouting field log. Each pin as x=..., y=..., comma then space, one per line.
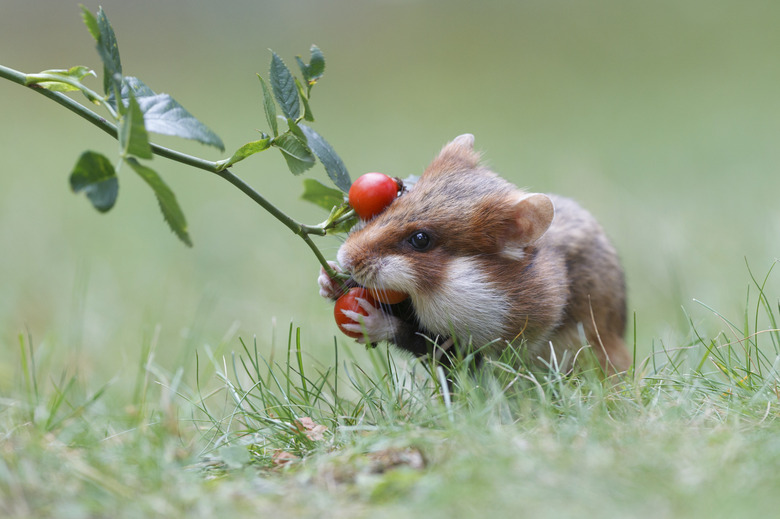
x=13, y=75
x=304, y=231
x=94, y=97
x=295, y=226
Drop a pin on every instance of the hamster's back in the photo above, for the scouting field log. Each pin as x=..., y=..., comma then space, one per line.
x=596, y=284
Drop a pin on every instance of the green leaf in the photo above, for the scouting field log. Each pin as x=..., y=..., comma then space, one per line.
x=283, y=86
x=164, y=115
x=315, y=68
x=108, y=49
x=295, y=129
x=133, y=137
x=341, y=219
x=298, y=156
x=171, y=211
x=69, y=77
x=307, y=114
x=95, y=176
x=269, y=107
x=245, y=151
x=91, y=22
x=333, y=164
x=319, y=194
x=344, y=226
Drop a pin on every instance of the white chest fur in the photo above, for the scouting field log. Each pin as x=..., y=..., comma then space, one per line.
x=467, y=303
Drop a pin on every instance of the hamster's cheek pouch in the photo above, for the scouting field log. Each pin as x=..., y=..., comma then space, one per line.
x=430, y=270
x=397, y=272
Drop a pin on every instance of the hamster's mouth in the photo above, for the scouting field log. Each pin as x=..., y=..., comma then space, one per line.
x=381, y=294
x=361, y=280
x=366, y=276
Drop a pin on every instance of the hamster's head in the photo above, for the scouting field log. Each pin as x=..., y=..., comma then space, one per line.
x=457, y=210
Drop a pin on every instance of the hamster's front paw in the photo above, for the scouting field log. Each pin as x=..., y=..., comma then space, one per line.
x=376, y=326
x=329, y=287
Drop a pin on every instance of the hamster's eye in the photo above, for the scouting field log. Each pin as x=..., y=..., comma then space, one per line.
x=420, y=241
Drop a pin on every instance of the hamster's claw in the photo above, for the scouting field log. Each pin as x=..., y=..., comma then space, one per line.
x=377, y=326
x=329, y=287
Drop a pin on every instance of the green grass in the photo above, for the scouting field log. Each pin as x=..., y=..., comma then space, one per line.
x=691, y=432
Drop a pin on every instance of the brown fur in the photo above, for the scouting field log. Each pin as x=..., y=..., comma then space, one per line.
x=488, y=268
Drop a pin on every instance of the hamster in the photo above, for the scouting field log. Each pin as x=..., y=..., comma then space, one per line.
x=486, y=263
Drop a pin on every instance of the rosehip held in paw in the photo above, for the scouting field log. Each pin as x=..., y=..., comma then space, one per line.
x=371, y=193
x=349, y=302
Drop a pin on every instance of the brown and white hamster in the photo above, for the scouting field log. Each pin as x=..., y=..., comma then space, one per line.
x=485, y=262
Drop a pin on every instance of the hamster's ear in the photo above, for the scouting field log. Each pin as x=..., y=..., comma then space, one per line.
x=458, y=155
x=463, y=141
x=533, y=214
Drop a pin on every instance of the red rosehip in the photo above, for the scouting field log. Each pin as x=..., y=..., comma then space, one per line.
x=349, y=302
x=389, y=297
x=371, y=193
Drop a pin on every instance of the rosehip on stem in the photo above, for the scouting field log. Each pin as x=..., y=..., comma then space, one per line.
x=371, y=193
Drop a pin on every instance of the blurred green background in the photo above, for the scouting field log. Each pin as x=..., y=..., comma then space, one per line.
x=661, y=117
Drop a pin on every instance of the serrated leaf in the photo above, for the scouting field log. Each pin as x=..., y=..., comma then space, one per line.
x=269, y=107
x=333, y=164
x=283, y=86
x=73, y=74
x=314, y=70
x=91, y=22
x=316, y=64
x=245, y=151
x=171, y=211
x=303, y=66
x=298, y=156
x=296, y=130
x=108, y=49
x=95, y=176
x=319, y=194
x=307, y=113
x=133, y=136
x=164, y=115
